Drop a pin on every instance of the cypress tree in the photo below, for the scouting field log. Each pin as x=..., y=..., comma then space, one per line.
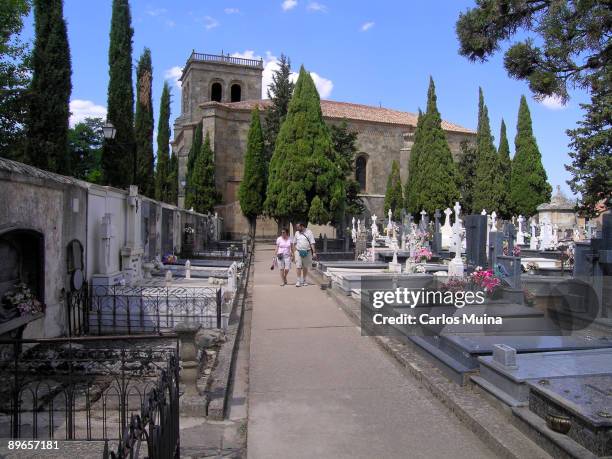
x=203, y=190
x=144, y=125
x=118, y=154
x=302, y=165
x=253, y=185
x=488, y=188
x=467, y=175
x=437, y=182
x=196, y=146
x=317, y=212
x=412, y=184
x=279, y=92
x=528, y=182
x=163, y=169
x=505, y=170
x=172, y=182
x=50, y=88
x=394, y=198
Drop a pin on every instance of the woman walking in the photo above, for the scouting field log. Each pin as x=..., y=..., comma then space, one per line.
x=284, y=255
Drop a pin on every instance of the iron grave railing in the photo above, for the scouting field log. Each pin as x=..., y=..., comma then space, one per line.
x=90, y=388
x=133, y=310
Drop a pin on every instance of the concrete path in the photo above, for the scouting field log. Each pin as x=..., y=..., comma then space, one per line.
x=317, y=388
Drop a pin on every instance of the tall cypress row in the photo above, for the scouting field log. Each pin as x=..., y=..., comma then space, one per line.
x=144, y=125
x=50, y=88
x=528, y=183
x=204, y=194
x=412, y=184
x=394, y=198
x=162, y=170
x=194, y=151
x=118, y=154
x=172, y=182
x=505, y=170
x=488, y=190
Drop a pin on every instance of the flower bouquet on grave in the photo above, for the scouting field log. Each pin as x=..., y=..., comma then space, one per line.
x=23, y=300
x=169, y=258
x=532, y=267
x=422, y=255
x=516, y=250
x=486, y=280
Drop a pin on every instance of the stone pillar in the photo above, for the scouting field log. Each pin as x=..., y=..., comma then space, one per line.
x=132, y=252
x=186, y=332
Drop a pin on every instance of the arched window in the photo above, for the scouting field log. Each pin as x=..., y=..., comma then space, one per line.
x=236, y=93
x=360, y=171
x=216, y=92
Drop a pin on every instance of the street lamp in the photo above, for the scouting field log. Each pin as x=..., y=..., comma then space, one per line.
x=109, y=131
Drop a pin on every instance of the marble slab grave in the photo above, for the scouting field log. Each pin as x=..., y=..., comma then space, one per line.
x=512, y=381
x=584, y=401
x=324, y=265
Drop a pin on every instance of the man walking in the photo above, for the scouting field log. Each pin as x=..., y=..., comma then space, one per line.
x=304, y=243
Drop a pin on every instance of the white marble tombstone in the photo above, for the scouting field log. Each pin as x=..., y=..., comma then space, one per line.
x=354, y=231
x=390, y=223
x=555, y=235
x=447, y=230
x=187, y=269
x=520, y=236
x=455, y=267
x=493, y=221
x=533, y=242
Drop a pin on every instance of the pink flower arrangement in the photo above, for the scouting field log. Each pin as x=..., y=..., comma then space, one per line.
x=423, y=254
x=169, y=258
x=485, y=279
x=516, y=250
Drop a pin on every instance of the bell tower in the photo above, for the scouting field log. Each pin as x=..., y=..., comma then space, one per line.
x=218, y=78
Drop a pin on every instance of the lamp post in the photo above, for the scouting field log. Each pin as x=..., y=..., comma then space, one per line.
x=109, y=131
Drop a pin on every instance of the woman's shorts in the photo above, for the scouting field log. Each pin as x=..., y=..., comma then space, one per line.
x=285, y=263
x=303, y=261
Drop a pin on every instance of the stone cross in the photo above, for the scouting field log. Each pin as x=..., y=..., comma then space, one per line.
x=484, y=212
x=520, y=236
x=455, y=267
x=533, y=243
x=353, y=231
x=447, y=230
x=374, y=231
x=555, y=235
x=493, y=221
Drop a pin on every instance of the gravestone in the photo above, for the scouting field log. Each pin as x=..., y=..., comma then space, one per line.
x=447, y=230
x=533, y=242
x=423, y=224
x=436, y=242
x=520, y=236
x=476, y=239
x=456, y=268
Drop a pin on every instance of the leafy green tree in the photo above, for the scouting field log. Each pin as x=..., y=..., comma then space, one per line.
x=118, y=154
x=467, y=176
x=437, y=175
x=163, y=170
x=344, y=143
x=279, y=92
x=194, y=151
x=253, y=186
x=85, y=141
x=302, y=165
x=317, y=212
x=203, y=195
x=394, y=198
x=488, y=188
x=572, y=40
x=412, y=184
x=591, y=141
x=49, y=93
x=505, y=171
x=145, y=167
x=172, y=182
x=528, y=182
x=15, y=68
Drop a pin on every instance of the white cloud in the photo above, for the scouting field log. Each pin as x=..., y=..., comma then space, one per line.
x=553, y=103
x=270, y=62
x=81, y=109
x=316, y=6
x=170, y=23
x=367, y=26
x=156, y=11
x=289, y=5
x=231, y=10
x=174, y=74
x=210, y=22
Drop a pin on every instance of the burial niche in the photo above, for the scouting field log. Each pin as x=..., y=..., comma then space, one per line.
x=216, y=92
x=22, y=255
x=236, y=93
x=361, y=165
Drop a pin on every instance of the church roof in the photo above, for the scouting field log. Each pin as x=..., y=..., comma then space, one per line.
x=357, y=112
x=558, y=202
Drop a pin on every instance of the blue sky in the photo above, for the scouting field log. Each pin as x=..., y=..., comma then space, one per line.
x=361, y=51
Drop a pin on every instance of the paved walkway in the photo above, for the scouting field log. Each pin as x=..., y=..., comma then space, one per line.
x=317, y=388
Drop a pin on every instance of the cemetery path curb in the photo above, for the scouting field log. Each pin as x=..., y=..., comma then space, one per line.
x=492, y=427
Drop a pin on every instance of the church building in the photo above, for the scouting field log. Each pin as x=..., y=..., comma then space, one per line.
x=220, y=91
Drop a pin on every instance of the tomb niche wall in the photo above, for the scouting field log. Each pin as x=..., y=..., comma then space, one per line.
x=55, y=207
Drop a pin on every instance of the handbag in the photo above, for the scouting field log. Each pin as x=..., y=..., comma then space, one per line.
x=280, y=256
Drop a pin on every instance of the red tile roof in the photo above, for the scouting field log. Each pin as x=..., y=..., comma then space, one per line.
x=344, y=110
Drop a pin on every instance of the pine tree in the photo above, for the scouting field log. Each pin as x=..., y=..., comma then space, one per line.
x=50, y=88
x=467, y=176
x=437, y=172
x=528, y=182
x=279, y=92
x=394, y=198
x=203, y=191
x=172, y=182
x=253, y=186
x=302, y=165
x=412, y=184
x=163, y=170
x=118, y=154
x=144, y=125
x=488, y=188
x=505, y=170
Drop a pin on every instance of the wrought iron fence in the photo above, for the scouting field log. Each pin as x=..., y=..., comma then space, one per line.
x=92, y=388
x=133, y=310
x=76, y=302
